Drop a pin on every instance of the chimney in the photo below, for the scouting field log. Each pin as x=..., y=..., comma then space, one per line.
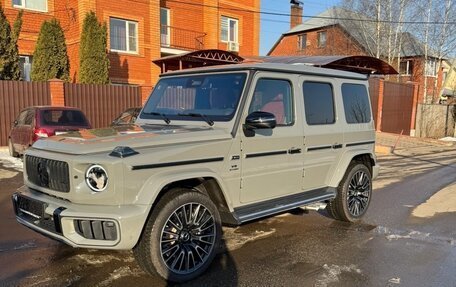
x=296, y=13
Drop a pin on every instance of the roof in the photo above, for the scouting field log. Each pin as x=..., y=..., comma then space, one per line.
x=273, y=67
x=364, y=32
x=358, y=64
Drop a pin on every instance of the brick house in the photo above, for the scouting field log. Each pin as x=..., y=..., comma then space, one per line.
x=331, y=34
x=140, y=31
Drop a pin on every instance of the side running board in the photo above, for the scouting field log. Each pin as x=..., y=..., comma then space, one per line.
x=274, y=206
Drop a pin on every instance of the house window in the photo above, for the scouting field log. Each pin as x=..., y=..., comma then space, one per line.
x=25, y=65
x=302, y=41
x=229, y=29
x=38, y=5
x=165, y=27
x=322, y=39
x=431, y=67
x=123, y=35
x=406, y=68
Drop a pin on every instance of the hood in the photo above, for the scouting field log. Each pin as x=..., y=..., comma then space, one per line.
x=134, y=136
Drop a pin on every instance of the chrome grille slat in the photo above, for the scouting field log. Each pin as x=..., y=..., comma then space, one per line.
x=48, y=173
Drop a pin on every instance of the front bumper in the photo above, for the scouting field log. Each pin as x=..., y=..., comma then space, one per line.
x=80, y=225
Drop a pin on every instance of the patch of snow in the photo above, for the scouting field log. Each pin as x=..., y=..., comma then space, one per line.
x=331, y=274
x=10, y=162
x=119, y=273
x=235, y=240
x=395, y=280
x=448, y=139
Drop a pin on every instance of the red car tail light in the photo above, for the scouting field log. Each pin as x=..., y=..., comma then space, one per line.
x=41, y=133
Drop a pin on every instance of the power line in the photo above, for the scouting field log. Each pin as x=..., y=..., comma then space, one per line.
x=315, y=17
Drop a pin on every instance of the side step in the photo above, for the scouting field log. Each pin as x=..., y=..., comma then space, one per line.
x=274, y=206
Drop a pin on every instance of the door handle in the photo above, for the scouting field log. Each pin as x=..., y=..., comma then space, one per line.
x=336, y=146
x=294, y=150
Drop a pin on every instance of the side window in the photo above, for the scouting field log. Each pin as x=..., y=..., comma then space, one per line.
x=21, y=118
x=274, y=96
x=29, y=118
x=318, y=103
x=356, y=103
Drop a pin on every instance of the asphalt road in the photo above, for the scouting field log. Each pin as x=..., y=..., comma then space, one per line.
x=408, y=238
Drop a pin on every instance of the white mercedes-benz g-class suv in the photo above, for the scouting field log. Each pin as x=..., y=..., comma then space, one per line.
x=219, y=145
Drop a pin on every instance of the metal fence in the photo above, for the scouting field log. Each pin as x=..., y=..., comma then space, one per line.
x=15, y=96
x=101, y=103
x=397, y=108
x=392, y=105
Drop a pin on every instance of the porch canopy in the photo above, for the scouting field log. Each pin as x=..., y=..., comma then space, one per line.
x=200, y=58
x=358, y=64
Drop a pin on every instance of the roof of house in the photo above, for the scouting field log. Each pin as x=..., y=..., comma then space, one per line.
x=360, y=28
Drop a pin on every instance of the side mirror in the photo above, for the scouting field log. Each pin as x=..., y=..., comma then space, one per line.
x=260, y=120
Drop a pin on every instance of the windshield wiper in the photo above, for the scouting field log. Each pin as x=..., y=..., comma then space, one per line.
x=198, y=115
x=164, y=117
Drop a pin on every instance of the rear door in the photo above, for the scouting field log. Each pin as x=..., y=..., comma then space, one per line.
x=271, y=158
x=323, y=130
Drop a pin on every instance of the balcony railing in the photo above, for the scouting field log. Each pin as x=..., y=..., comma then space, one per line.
x=183, y=39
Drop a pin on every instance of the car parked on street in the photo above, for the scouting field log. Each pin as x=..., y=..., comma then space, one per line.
x=212, y=146
x=127, y=117
x=38, y=122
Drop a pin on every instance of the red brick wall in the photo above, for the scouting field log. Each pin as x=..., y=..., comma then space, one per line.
x=337, y=43
x=138, y=68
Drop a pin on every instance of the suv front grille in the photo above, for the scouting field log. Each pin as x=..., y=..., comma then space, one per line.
x=48, y=173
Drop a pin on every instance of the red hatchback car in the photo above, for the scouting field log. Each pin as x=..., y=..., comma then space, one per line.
x=34, y=123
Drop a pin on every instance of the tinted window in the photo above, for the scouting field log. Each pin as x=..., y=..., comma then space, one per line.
x=21, y=118
x=63, y=118
x=356, y=103
x=29, y=117
x=275, y=97
x=318, y=103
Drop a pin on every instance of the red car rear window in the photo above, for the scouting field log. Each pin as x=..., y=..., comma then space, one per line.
x=63, y=118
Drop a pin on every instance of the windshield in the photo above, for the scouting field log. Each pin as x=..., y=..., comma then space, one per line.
x=213, y=97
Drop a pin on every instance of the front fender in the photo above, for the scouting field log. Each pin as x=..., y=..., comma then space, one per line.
x=155, y=183
x=345, y=162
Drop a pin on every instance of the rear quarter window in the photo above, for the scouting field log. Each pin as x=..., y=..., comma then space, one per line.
x=356, y=103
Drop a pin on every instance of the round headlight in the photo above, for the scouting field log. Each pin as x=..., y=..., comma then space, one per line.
x=97, y=178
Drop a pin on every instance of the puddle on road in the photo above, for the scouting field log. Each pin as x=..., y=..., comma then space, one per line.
x=441, y=202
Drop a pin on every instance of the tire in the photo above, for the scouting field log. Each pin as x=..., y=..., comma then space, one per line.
x=354, y=194
x=12, y=151
x=175, y=246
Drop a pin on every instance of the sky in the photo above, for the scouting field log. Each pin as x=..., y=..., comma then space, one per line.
x=273, y=26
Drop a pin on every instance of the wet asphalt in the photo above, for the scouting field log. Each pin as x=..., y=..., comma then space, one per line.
x=391, y=247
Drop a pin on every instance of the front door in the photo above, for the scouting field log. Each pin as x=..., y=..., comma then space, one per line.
x=271, y=158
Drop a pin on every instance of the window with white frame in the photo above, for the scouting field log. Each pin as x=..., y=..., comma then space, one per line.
x=165, y=27
x=123, y=35
x=39, y=5
x=302, y=41
x=229, y=28
x=431, y=67
x=406, y=68
x=322, y=39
